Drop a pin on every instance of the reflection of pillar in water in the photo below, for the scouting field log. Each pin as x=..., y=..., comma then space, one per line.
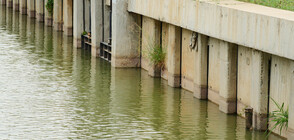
x=31, y=30
x=39, y=36
x=3, y=16
x=8, y=19
x=23, y=27
x=15, y=22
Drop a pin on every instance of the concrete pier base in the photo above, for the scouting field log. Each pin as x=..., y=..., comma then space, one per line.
x=23, y=7
x=228, y=77
x=31, y=8
x=40, y=10
x=77, y=23
x=9, y=3
x=67, y=17
x=125, y=36
x=58, y=16
x=151, y=36
x=291, y=105
x=2, y=2
x=96, y=26
x=15, y=5
x=200, y=76
x=48, y=16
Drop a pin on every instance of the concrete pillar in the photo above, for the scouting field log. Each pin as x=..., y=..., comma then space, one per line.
x=259, y=93
x=67, y=17
x=291, y=105
x=23, y=6
x=96, y=26
x=201, y=79
x=16, y=5
x=151, y=32
x=48, y=16
x=9, y=3
x=228, y=77
x=78, y=22
x=40, y=10
x=174, y=56
x=125, y=36
x=31, y=8
x=2, y=2
x=58, y=15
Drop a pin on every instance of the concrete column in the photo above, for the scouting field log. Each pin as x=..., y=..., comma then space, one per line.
x=151, y=32
x=96, y=26
x=291, y=105
x=67, y=17
x=78, y=22
x=9, y=3
x=125, y=36
x=16, y=5
x=23, y=6
x=174, y=55
x=228, y=77
x=58, y=15
x=3, y=2
x=259, y=93
x=40, y=10
x=48, y=16
x=31, y=8
x=201, y=78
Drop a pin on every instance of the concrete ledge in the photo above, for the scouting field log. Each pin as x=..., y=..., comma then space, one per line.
x=213, y=96
x=200, y=92
x=40, y=17
x=68, y=31
x=262, y=28
x=125, y=62
x=32, y=14
x=290, y=133
x=49, y=21
x=174, y=80
x=227, y=106
x=58, y=26
x=260, y=121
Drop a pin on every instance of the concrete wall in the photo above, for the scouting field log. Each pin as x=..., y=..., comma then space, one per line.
x=31, y=8
x=48, y=16
x=40, y=5
x=213, y=71
x=280, y=85
x=268, y=30
x=68, y=17
x=188, y=61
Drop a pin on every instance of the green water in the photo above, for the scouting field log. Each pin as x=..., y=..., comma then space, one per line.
x=48, y=90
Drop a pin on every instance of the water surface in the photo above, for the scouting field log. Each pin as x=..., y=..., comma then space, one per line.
x=48, y=90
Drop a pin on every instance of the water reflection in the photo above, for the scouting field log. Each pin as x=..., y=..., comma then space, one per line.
x=51, y=91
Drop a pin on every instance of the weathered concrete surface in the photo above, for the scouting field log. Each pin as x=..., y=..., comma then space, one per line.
x=58, y=16
x=97, y=27
x=173, y=55
x=67, y=17
x=228, y=77
x=125, y=36
x=31, y=8
x=252, y=88
x=164, y=44
x=77, y=23
x=9, y=3
x=291, y=106
x=151, y=35
x=280, y=85
x=48, y=16
x=188, y=61
x=40, y=10
x=23, y=6
x=16, y=5
x=259, y=27
x=201, y=68
x=213, y=71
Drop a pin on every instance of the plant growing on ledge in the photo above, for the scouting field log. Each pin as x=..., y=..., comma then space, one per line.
x=156, y=55
x=49, y=6
x=279, y=118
